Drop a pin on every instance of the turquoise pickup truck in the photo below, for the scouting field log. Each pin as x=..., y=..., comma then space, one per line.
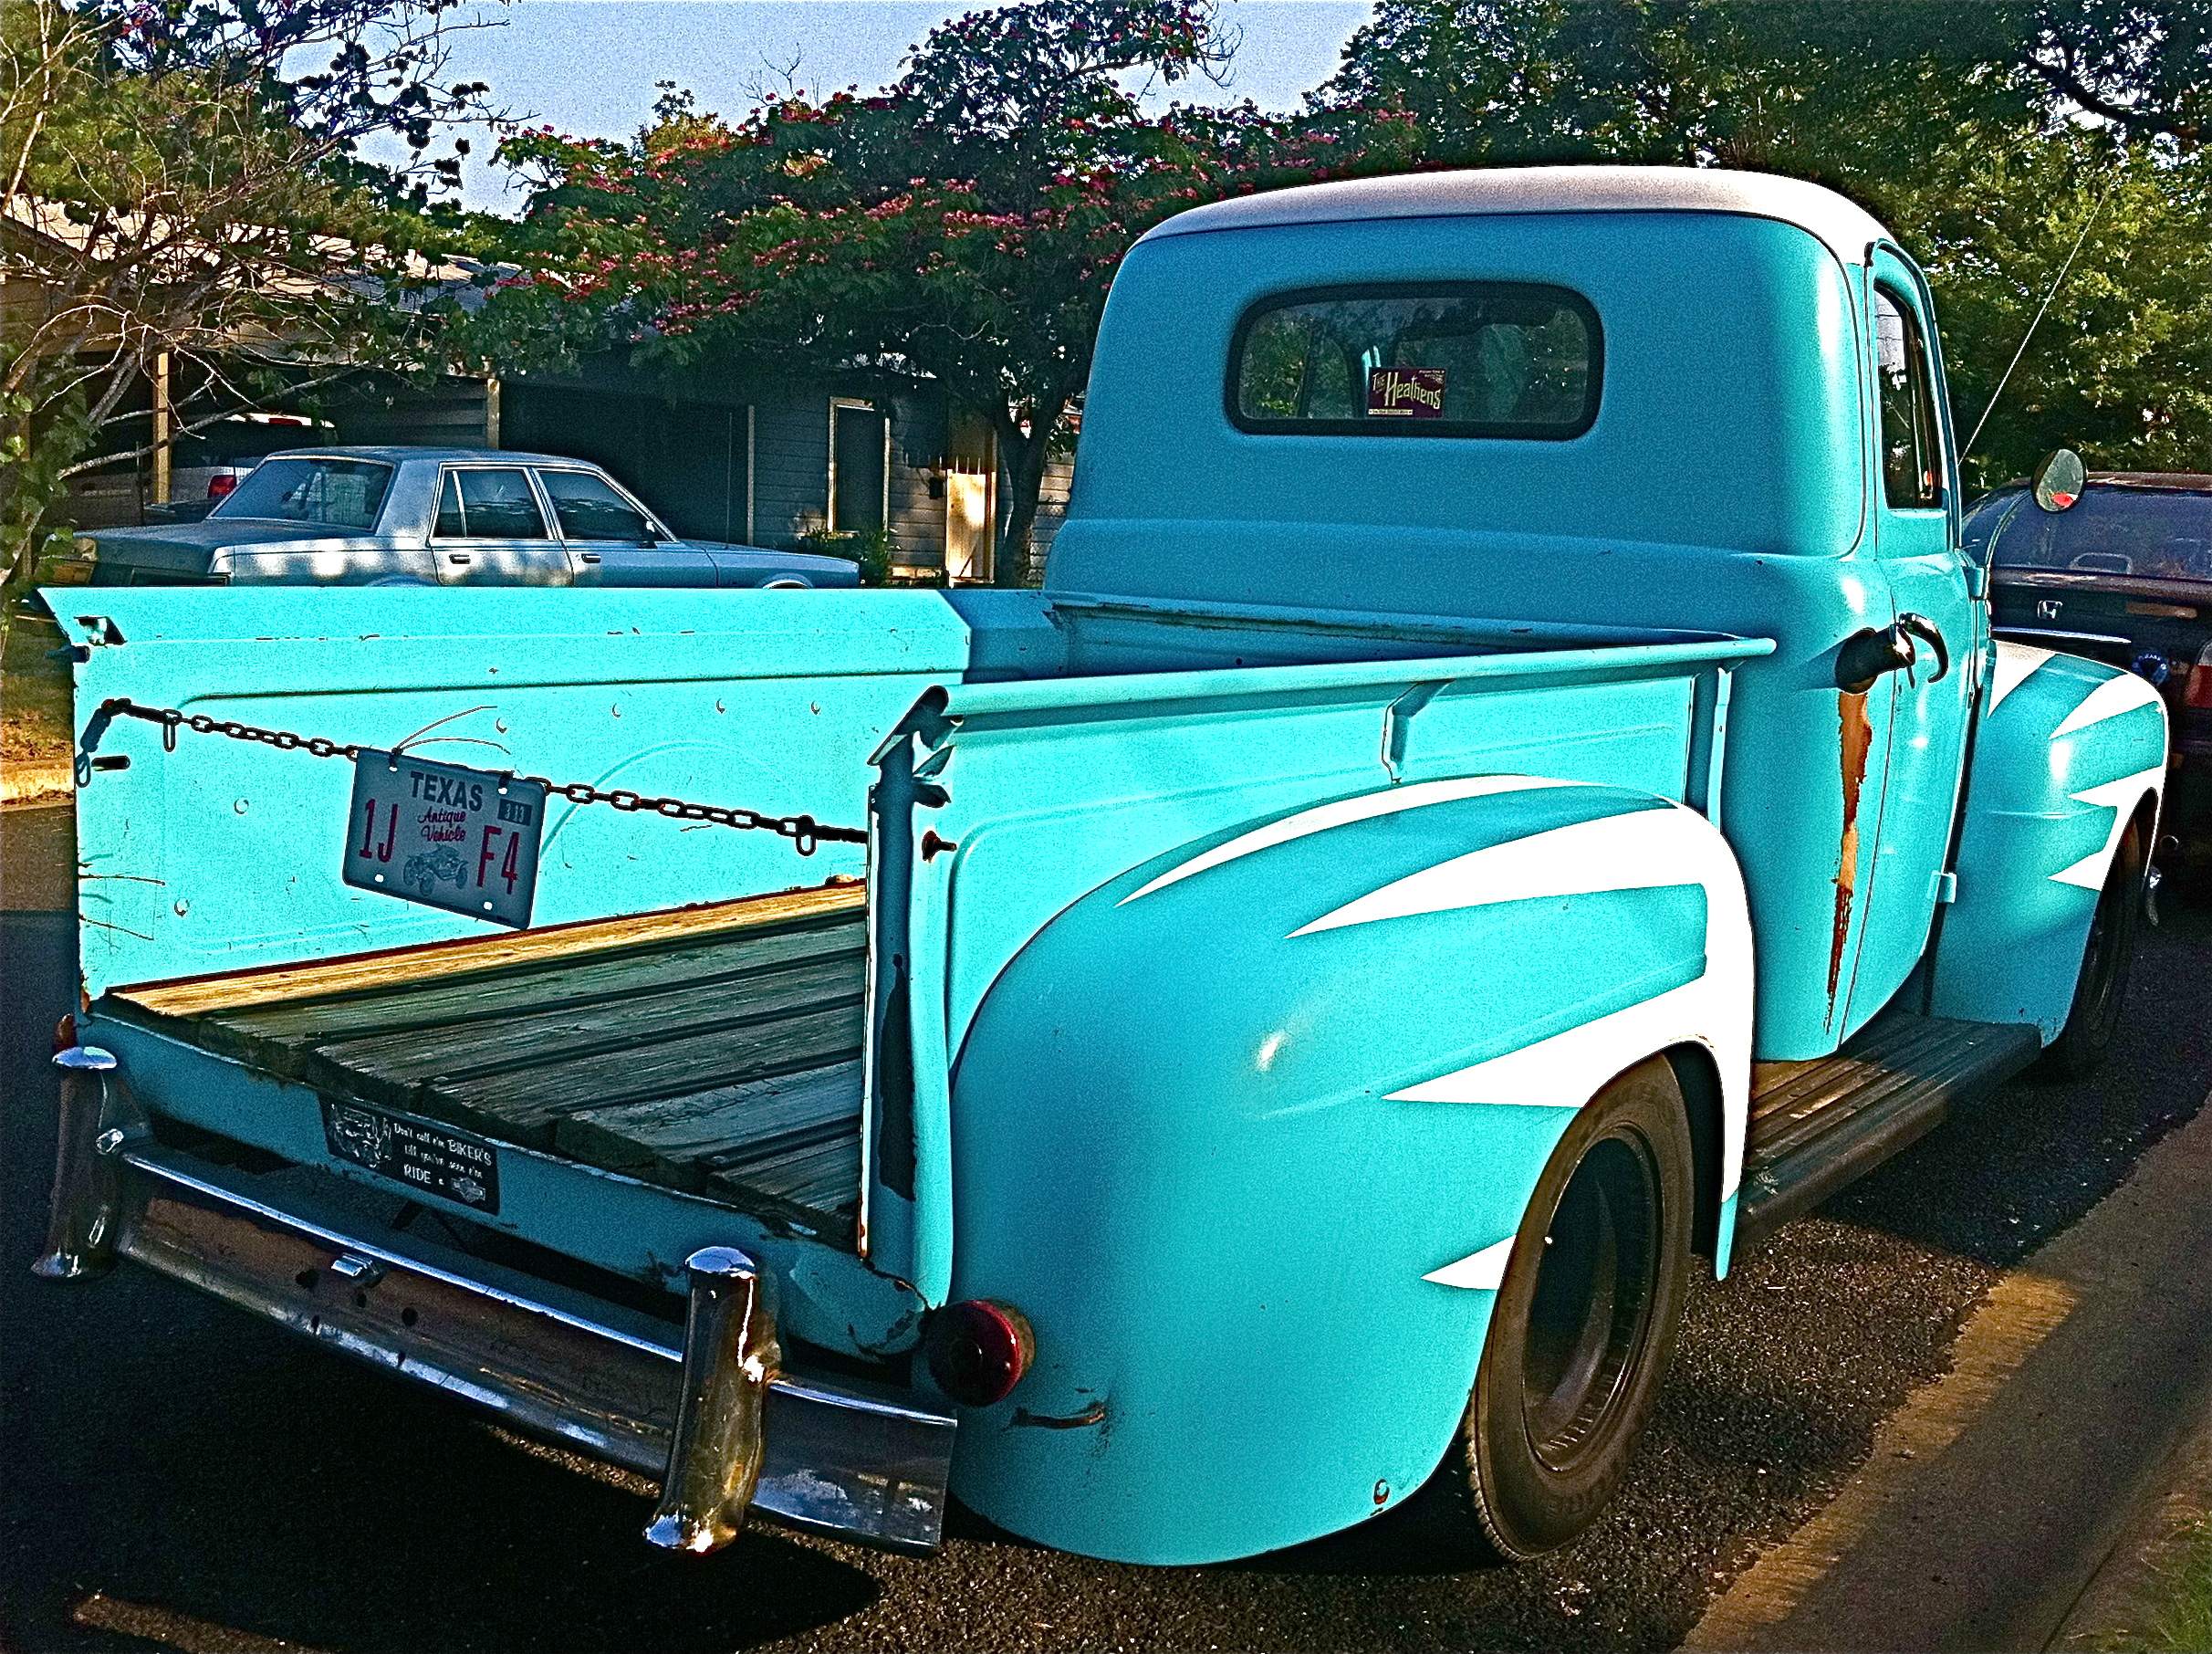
x=1186, y=1057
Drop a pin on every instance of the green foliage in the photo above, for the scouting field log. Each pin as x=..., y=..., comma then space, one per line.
x=1986, y=136
x=874, y=550
x=171, y=192
x=962, y=226
x=2177, y=1616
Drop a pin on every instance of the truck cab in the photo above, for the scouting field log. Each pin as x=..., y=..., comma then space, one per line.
x=1506, y=794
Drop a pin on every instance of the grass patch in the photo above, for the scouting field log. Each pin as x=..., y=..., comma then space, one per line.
x=35, y=723
x=2178, y=1619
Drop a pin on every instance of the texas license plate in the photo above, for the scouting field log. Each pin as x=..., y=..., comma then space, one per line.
x=427, y=1158
x=463, y=840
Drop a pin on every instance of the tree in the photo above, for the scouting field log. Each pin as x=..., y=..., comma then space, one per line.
x=961, y=227
x=174, y=198
x=1989, y=138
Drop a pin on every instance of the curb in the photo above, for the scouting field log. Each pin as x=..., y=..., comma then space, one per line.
x=47, y=782
x=1999, y=1501
x=2130, y=1585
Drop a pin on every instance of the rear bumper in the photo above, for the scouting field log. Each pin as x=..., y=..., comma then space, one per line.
x=860, y=1461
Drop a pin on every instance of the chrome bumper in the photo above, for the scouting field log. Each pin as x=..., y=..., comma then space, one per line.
x=710, y=1415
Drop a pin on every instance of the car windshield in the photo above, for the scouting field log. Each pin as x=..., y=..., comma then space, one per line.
x=2143, y=533
x=341, y=493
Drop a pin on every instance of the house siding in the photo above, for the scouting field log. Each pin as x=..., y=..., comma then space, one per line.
x=790, y=463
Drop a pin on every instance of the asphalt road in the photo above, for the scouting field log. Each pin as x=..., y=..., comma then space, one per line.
x=171, y=1470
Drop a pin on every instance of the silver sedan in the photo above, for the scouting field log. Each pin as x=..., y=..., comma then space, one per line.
x=360, y=516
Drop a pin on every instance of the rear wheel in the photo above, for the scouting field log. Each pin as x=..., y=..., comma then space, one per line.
x=2100, y=990
x=1585, y=1319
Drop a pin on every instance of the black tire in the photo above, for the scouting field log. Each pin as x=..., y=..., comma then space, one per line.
x=1585, y=1319
x=2101, y=989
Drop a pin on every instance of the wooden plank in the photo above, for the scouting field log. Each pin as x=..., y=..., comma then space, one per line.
x=521, y=1106
x=477, y=955
x=590, y=979
x=673, y=1139
x=287, y=1040
x=536, y=1040
x=825, y=1177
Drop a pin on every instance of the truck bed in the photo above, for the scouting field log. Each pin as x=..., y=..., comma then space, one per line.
x=713, y=1050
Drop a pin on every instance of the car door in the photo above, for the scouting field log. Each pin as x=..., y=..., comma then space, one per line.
x=491, y=529
x=1916, y=518
x=612, y=540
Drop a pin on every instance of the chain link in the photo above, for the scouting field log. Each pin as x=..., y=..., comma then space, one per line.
x=803, y=832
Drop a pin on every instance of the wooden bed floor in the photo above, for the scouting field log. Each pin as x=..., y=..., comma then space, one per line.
x=715, y=1049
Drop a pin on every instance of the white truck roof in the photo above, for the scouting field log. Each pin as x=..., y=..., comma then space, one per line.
x=1845, y=227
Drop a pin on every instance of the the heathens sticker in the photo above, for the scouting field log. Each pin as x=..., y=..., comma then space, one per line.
x=1405, y=393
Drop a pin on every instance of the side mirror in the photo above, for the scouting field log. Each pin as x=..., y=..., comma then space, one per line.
x=2059, y=480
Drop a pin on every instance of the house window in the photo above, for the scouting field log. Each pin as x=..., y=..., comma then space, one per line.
x=860, y=466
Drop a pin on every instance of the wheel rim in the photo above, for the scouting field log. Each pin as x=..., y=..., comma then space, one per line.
x=1591, y=1309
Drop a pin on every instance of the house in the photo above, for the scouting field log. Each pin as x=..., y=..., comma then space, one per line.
x=766, y=460
x=769, y=458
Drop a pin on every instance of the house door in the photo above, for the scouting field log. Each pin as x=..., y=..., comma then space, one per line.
x=967, y=525
x=860, y=466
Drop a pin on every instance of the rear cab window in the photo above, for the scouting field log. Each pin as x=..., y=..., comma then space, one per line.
x=340, y=493
x=1459, y=358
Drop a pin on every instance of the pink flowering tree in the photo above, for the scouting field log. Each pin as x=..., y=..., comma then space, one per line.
x=961, y=227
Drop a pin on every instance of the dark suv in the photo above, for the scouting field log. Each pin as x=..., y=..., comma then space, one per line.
x=2124, y=574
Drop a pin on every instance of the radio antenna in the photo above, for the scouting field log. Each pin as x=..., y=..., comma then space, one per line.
x=2065, y=269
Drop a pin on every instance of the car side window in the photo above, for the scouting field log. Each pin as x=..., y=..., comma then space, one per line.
x=486, y=504
x=451, y=524
x=1911, y=450
x=589, y=507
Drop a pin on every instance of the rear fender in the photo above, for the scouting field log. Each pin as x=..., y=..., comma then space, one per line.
x=1247, y=1133
x=2068, y=752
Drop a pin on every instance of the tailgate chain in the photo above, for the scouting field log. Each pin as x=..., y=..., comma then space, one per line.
x=803, y=831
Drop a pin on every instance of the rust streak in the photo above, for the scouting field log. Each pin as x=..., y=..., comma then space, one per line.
x=1093, y=1414
x=1858, y=738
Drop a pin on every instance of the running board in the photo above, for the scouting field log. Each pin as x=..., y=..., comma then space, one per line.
x=1816, y=1127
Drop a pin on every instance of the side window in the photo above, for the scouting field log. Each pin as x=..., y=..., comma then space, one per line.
x=1912, y=450
x=586, y=507
x=451, y=524
x=498, y=505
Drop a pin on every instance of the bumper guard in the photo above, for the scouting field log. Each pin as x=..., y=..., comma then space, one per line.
x=713, y=1417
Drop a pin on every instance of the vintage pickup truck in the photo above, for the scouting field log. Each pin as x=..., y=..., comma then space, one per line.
x=1272, y=1019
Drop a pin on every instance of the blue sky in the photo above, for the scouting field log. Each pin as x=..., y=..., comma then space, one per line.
x=589, y=66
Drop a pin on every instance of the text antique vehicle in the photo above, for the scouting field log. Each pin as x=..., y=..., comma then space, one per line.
x=1307, y=991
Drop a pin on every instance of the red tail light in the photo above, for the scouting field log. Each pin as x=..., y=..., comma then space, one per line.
x=977, y=1351
x=222, y=484
x=2200, y=693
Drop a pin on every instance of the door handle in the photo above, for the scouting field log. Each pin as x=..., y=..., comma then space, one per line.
x=1871, y=651
x=1911, y=625
x=458, y=556
x=590, y=557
